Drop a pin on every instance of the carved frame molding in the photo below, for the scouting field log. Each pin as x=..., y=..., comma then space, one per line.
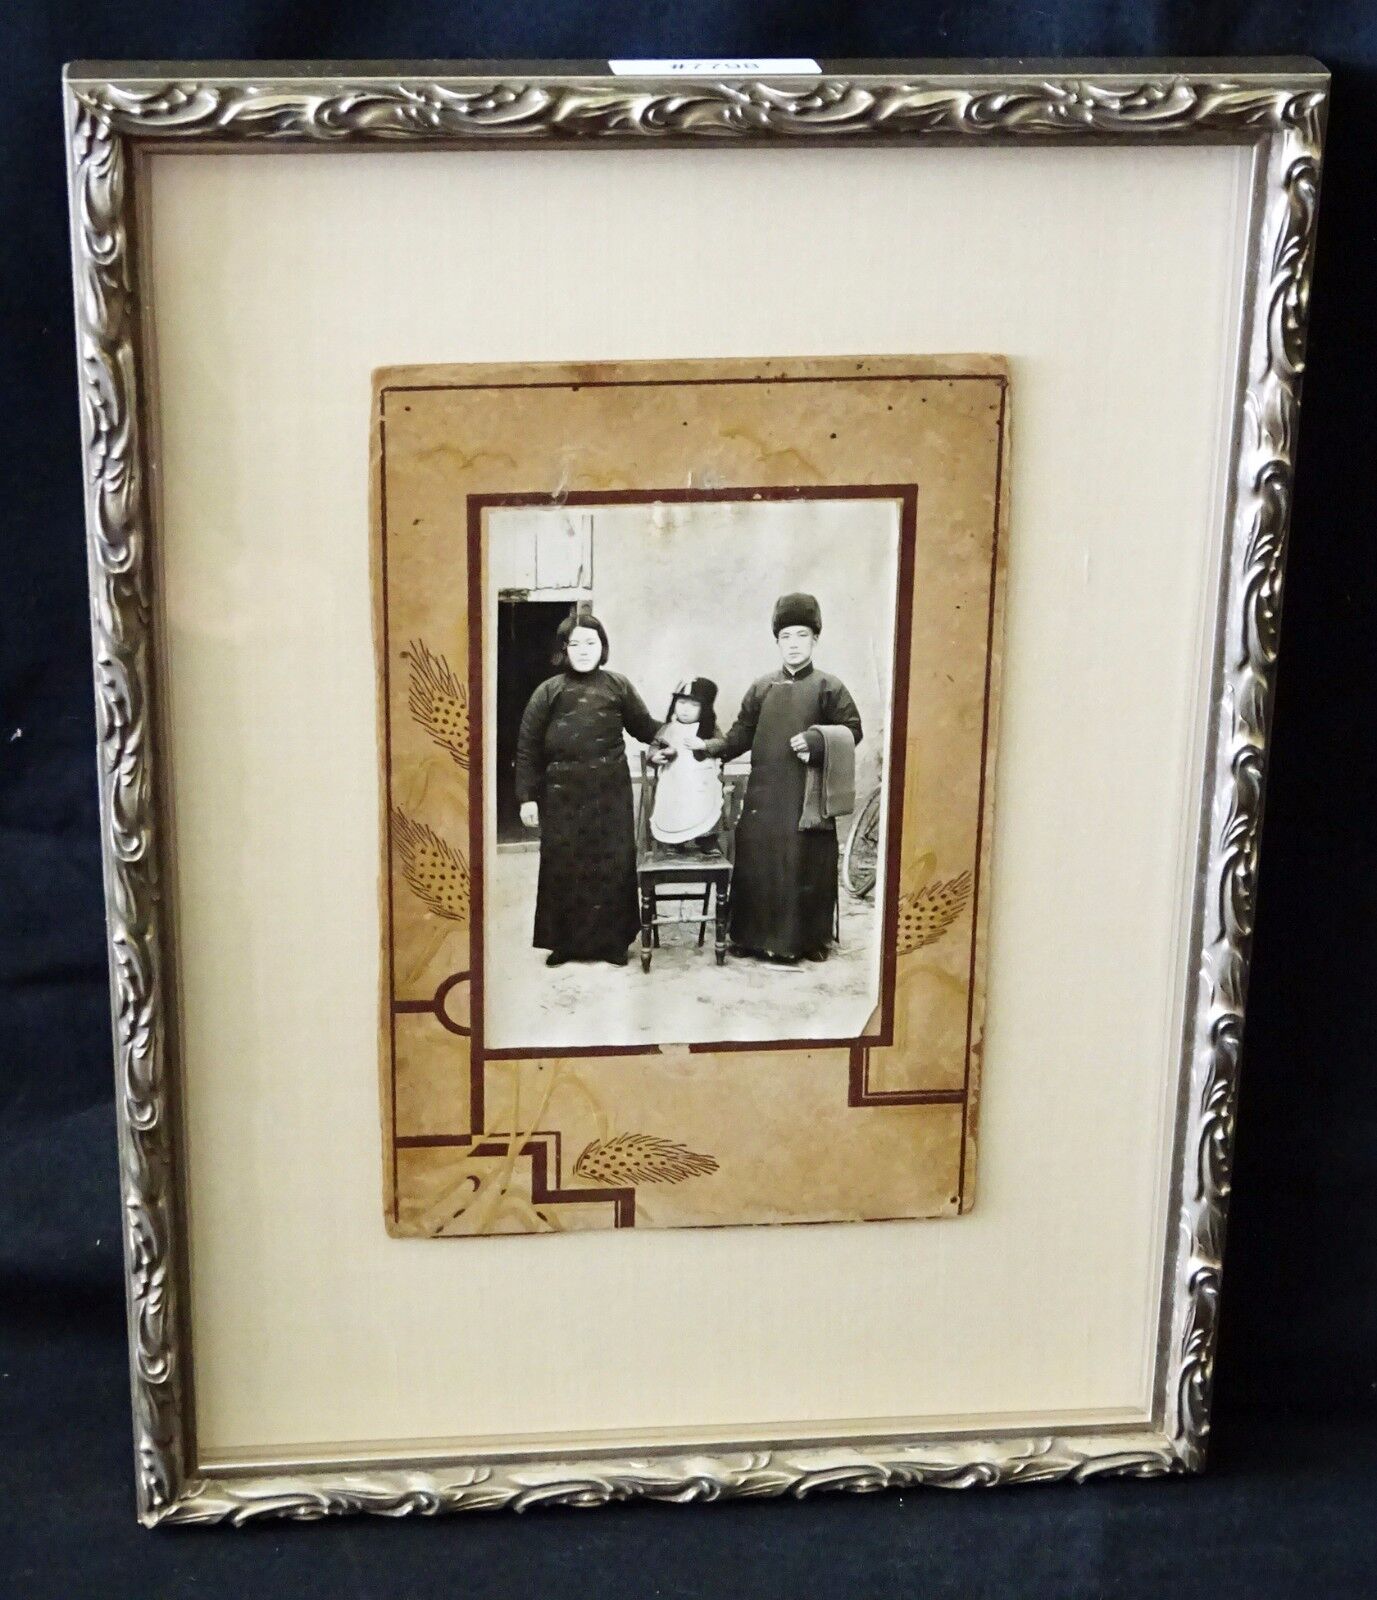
x=114, y=114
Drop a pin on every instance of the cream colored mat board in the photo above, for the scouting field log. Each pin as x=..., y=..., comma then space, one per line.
x=1109, y=278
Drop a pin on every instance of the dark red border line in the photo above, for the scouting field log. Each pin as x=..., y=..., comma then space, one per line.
x=906, y=494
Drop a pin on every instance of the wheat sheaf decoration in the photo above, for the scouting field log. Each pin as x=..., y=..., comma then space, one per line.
x=630, y=1158
x=437, y=873
x=439, y=702
x=925, y=914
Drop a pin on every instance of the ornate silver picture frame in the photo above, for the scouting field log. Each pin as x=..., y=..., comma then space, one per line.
x=119, y=114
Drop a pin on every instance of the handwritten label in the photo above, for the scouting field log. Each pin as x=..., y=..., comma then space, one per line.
x=728, y=67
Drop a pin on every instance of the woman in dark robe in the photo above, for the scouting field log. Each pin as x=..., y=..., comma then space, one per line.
x=573, y=780
x=784, y=883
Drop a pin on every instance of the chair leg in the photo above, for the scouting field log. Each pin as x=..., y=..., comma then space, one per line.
x=724, y=901
x=703, y=920
x=647, y=925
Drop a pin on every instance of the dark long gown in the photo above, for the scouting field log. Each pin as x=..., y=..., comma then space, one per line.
x=571, y=760
x=784, y=886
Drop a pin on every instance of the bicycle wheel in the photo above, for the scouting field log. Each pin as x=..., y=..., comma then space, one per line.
x=862, y=852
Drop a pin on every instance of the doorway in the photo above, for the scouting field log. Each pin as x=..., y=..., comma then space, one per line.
x=525, y=648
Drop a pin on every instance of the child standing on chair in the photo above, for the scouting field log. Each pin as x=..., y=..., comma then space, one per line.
x=688, y=792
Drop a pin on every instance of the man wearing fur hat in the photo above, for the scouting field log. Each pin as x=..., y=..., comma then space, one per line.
x=794, y=720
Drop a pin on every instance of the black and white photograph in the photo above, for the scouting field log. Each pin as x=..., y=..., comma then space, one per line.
x=690, y=706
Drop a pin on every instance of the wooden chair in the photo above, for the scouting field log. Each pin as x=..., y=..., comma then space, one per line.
x=665, y=876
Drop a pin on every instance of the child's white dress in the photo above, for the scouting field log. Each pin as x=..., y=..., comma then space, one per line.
x=688, y=792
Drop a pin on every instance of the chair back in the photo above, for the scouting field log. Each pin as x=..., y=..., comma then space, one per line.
x=733, y=794
x=645, y=802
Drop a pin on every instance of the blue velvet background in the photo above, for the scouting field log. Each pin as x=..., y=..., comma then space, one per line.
x=1288, y=1504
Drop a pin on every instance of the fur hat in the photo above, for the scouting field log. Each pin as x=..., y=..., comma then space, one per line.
x=797, y=611
x=704, y=691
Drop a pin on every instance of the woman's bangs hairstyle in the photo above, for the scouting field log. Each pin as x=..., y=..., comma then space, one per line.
x=582, y=620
